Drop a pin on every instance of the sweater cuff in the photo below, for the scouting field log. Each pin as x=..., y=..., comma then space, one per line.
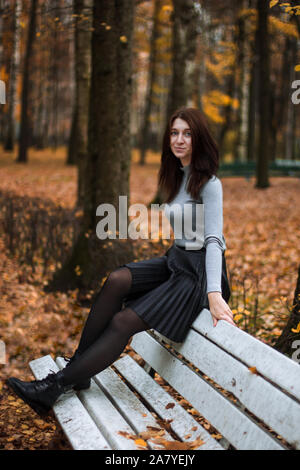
x=213, y=266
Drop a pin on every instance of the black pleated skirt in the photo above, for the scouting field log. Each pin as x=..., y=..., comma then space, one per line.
x=168, y=292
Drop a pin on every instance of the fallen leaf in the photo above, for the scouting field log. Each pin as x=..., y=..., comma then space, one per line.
x=169, y=405
x=127, y=435
x=140, y=442
x=178, y=445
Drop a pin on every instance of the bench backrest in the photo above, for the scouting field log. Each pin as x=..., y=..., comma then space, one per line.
x=247, y=390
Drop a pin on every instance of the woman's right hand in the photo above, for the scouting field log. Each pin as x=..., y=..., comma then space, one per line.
x=219, y=309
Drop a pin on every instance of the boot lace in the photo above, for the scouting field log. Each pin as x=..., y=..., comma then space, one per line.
x=40, y=385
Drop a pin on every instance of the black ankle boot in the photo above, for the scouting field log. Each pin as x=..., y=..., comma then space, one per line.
x=81, y=385
x=40, y=394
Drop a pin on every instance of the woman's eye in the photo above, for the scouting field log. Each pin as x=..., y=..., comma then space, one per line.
x=186, y=134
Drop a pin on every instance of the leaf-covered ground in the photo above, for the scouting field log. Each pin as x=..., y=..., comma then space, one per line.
x=261, y=229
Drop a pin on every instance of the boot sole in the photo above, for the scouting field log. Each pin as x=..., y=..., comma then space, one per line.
x=37, y=407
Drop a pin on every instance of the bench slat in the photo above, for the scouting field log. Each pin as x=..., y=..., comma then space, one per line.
x=256, y=394
x=182, y=423
x=132, y=409
x=270, y=363
x=106, y=417
x=75, y=421
x=231, y=422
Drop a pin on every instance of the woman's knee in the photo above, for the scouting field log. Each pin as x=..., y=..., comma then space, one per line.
x=120, y=279
x=127, y=321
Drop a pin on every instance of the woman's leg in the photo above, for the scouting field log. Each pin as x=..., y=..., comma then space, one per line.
x=42, y=394
x=107, y=303
x=106, y=348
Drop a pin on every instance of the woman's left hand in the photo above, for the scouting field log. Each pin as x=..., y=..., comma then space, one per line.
x=219, y=309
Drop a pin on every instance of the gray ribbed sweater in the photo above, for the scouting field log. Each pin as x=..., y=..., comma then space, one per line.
x=209, y=232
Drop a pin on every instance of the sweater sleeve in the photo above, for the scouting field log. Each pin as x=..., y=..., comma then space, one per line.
x=212, y=197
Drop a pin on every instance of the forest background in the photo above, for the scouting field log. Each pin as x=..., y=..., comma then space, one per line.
x=86, y=89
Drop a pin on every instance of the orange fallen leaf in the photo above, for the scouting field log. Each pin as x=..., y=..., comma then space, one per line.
x=178, y=445
x=154, y=429
x=170, y=405
x=127, y=435
x=148, y=434
x=217, y=436
x=297, y=329
x=253, y=370
x=140, y=442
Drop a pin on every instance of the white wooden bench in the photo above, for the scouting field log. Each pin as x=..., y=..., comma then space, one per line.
x=246, y=390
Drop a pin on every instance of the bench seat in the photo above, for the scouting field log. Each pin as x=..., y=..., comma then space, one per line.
x=247, y=391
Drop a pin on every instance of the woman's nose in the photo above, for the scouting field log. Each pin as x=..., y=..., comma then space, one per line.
x=180, y=137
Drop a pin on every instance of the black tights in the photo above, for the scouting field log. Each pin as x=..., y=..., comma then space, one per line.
x=107, y=329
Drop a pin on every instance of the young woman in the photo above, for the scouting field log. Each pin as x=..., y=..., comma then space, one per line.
x=164, y=293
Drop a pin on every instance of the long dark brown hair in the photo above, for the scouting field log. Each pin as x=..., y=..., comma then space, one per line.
x=204, y=161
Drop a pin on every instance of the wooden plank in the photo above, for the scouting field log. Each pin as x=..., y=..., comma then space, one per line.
x=271, y=405
x=75, y=421
x=270, y=363
x=127, y=403
x=231, y=422
x=181, y=422
x=108, y=420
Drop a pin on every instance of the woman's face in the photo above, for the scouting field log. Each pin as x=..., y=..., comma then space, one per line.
x=181, y=141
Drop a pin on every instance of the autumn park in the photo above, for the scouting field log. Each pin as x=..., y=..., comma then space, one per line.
x=87, y=91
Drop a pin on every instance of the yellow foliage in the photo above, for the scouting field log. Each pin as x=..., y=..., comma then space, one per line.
x=286, y=28
x=297, y=329
x=158, y=90
x=212, y=102
x=211, y=111
x=238, y=317
x=219, y=98
x=222, y=62
x=167, y=8
x=247, y=12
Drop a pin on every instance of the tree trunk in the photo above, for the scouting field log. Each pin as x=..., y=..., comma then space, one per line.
x=285, y=342
x=228, y=112
x=152, y=77
x=243, y=90
x=25, y=126
x=183, y=54
x=289, y=139
x=262, y=173
x=77, y=150
x=200, y=72
x=106, y=175
x=41, y=112
x=253, y=97
x=14, y=66
x=184, y=45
